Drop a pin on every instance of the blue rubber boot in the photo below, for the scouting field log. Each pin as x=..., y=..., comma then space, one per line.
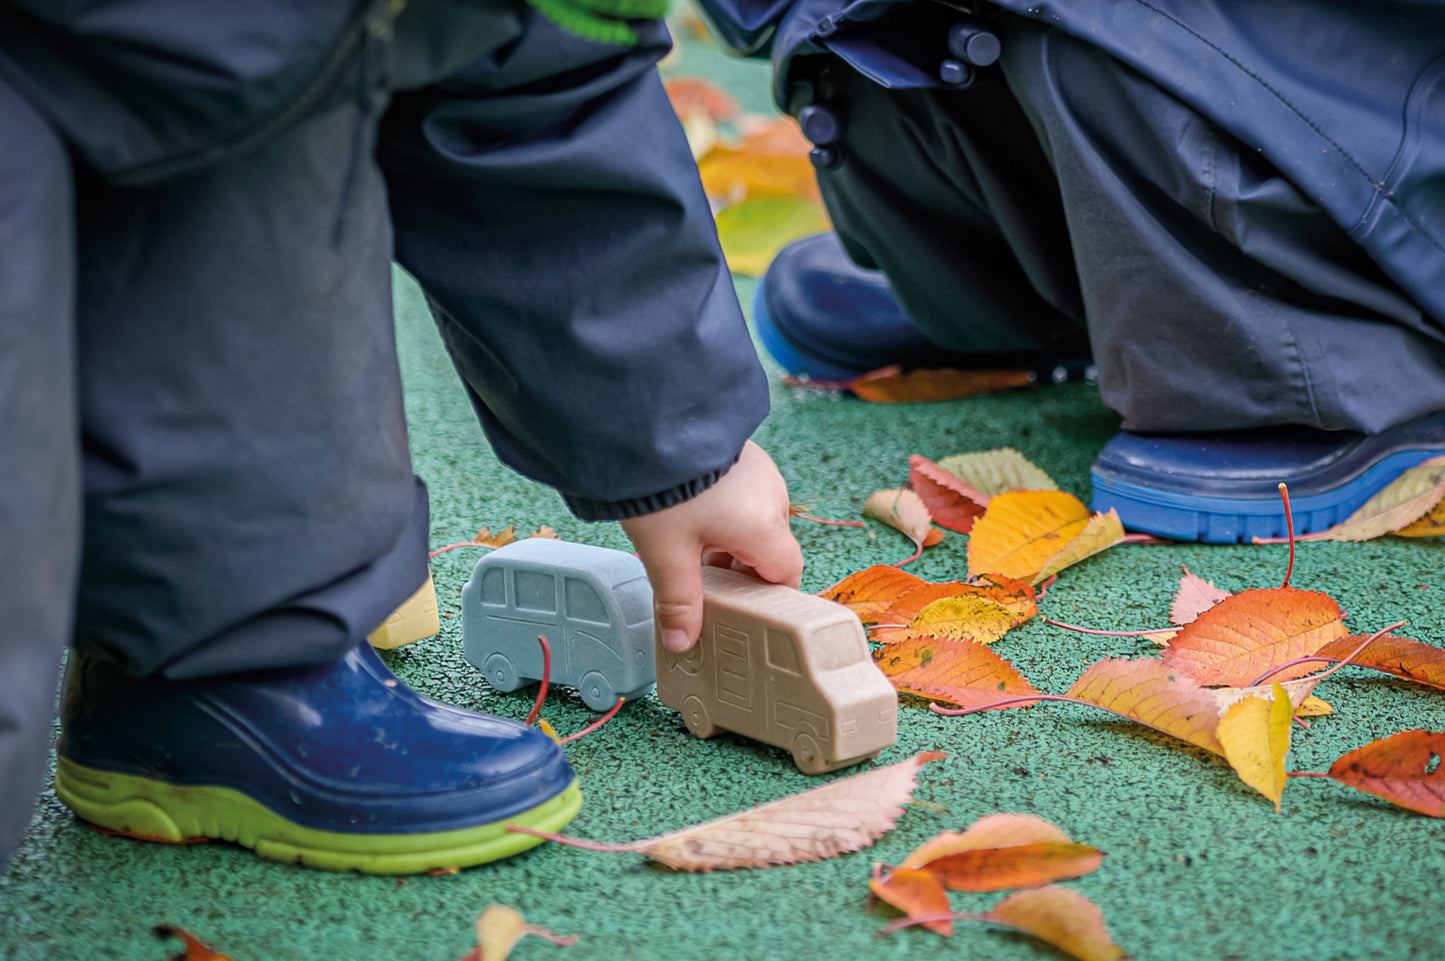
x=1225, y=488
x=819, y=315
x=337, y=766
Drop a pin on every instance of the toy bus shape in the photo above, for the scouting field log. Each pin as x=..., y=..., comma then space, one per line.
x=781, y=667
x=593, y=604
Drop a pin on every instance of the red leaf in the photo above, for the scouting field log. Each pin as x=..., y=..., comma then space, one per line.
x=952, y=503
x=1403, y=769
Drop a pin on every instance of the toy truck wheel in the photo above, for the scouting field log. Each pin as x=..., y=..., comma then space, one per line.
x=597, y=691
x=808, y=756
x=500, y=673
x=694, y=715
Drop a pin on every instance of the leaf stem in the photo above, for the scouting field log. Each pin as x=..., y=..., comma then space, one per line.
x=546, y=679
x=912, y=557
x=825, y=520
x=1352, y=655
x=1093, y=630
x=596, y=724
x=452, y=547
x=1289, y=528
x=1006, y=702
x=582, y=843
x=909, y=922
x=1305, y=774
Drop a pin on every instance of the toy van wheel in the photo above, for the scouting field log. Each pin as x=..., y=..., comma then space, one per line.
x=694, y=715
x=808, y=756
x=597, y=691
x=501, y=673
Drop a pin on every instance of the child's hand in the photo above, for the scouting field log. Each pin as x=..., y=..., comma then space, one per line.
x=743, y=517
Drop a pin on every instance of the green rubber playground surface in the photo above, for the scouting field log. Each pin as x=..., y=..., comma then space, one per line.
x=1198, y=865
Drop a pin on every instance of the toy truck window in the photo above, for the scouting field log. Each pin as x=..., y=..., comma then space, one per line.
x=494, y=587
x=583, y=603
x=783, y=653
x=536, y=592
x=841, y=645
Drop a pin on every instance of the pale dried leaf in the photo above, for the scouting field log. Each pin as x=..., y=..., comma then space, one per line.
x=1406, y=499
x=1063, y=918
x=842, y=816
x=1196, y=595
x=1255, y=736
x=1101, y=533
x=902, y=510
x=995, y=471
x=1298, y=691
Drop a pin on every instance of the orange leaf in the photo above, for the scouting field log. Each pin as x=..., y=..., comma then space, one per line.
x=1002, y=851
x=772, y=159
x=902, y=510
x=1022, y=530
x=1403, y=769
x=1400, y=656
x=845, y=815
x=1196, y=595
x=1063, y=918
x=196, y=949
x=958, y=616
x=1248, y=633
x=872, y=590
x=954, y=672
x=952, y=503
x=1016, y=596
x=692, y=95
x=1149, y=692
x=917, y=894
x=893, y=385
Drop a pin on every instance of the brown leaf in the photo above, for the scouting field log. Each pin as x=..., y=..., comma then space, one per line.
x=842, y=816
x=918, y=894
x=1196, y=595
x=903, y=510
x=1150, y=692
x=953, y=672
x=1061, y=917
x=1248, y=633
x=872, y=590
x=196, y=949
x=1401, y=656
x=1022, y=530
x=1002, y=851
x=546, y=533
x=996, y=471
x=951, y=502
x=1403, y=769
x=893, y=385
x=485, y=537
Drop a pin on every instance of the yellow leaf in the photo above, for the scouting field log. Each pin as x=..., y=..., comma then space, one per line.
x=996, y=471
x=1022, y=530
x=502, y=538
x=1102, y=532
x=752, y=232
x=1431, y=525
x=1255, y=737
x=959, y=616
x=1063, y=918
x=1313, y=707
x=498, y=930
x=772, y=160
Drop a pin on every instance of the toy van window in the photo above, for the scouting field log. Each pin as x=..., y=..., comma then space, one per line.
x=584, y=604
x=536, y=592
x=634, y=601
x=783, y=652
x=841, y=645
x=494, y=589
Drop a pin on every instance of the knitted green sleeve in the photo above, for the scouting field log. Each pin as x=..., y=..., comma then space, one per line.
x=601, y=20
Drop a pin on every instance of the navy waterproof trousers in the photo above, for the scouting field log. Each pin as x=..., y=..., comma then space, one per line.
x=205, y=453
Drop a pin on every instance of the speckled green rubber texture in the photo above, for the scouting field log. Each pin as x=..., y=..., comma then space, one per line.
x=158, y=811
x=1198, y=868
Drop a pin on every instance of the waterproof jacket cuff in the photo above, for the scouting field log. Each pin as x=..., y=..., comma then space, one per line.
x=594, y=510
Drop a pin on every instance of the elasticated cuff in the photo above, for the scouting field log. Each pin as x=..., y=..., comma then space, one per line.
x=595, y=510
